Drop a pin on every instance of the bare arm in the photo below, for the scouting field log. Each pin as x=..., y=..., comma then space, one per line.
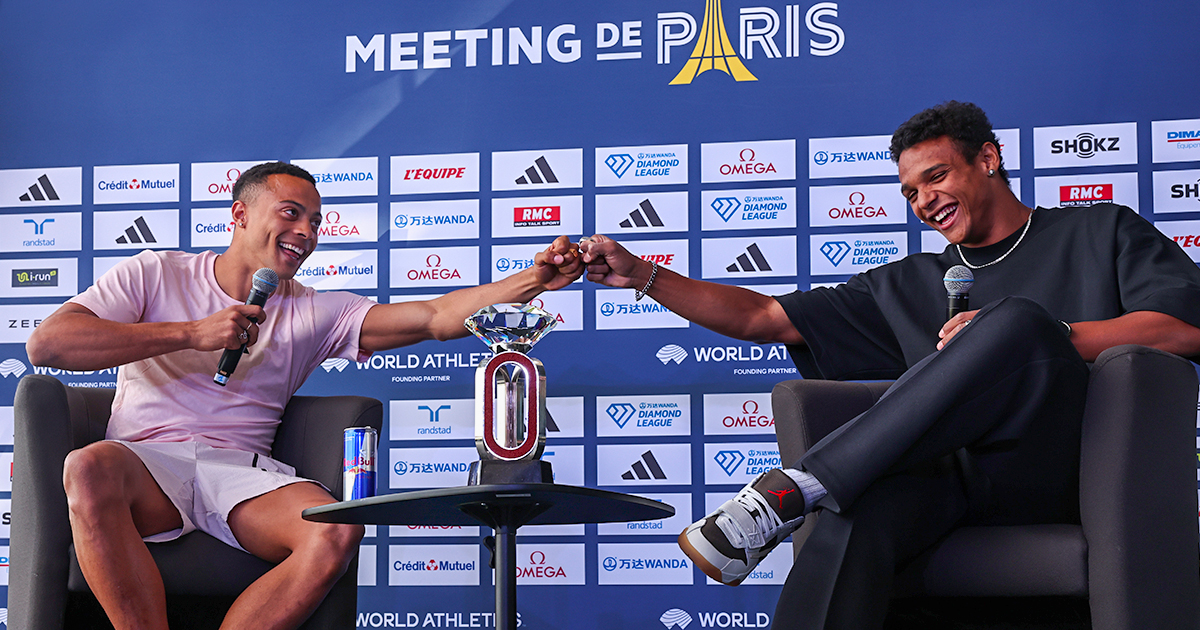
x=75, y=338
x=393, y=325
x=1146, y=328
x=729, y=310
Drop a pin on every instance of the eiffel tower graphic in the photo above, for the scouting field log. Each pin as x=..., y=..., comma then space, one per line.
x=713, y=50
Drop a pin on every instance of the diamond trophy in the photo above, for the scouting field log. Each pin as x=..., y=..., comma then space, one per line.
x=510, y=396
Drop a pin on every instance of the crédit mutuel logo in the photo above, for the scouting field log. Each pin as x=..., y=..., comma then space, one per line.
x=760, y=31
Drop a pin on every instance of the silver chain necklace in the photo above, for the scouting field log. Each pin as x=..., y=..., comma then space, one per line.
x=1010, y=250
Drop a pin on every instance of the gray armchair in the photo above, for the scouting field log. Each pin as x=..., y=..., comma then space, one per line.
x=1135, y=555
x=52, y=419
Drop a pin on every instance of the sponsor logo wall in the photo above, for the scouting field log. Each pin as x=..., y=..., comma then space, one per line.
x=453, y=155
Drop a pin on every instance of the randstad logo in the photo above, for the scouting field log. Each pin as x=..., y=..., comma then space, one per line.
x=759, y=29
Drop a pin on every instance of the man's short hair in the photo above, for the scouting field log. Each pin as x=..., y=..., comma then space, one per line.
x=255, y=177
x=964, y=123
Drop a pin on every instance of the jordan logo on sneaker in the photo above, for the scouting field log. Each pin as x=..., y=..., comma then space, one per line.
x=780, y=493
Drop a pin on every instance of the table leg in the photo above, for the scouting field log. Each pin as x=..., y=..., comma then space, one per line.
x=506, y=577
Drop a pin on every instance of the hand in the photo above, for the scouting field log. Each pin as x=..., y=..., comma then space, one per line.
x=558, y=265
x=610, y=264
x=951, y=328
x=223, y=330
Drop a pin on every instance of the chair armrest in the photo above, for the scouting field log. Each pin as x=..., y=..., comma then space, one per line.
x=49, y=421
x=1137, y=494
x=807, y=410
x=310, y=434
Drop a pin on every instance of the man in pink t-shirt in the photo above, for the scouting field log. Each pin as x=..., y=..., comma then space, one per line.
x=174, y=436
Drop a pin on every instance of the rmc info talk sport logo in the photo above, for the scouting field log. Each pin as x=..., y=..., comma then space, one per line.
x=761, y=31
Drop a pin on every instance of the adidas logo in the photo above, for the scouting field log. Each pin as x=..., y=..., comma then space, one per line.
x=644, y=215
x=36, y=194
x=645, y=468
x=748, y=260
x=139, y=232
x=551, y=425
x=539, y=173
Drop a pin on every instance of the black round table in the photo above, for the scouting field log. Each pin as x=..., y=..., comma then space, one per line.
x=504, y=508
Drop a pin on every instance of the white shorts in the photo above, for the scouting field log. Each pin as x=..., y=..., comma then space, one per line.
x=205, y=483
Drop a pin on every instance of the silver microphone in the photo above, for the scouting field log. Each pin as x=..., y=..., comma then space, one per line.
x=958, y=283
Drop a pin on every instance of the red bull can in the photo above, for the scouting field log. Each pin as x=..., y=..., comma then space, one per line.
x=358, y=463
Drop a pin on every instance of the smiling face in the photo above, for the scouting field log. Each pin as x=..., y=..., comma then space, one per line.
x=277, y=225
x=949, y=194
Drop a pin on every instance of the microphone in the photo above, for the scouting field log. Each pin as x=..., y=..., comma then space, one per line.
x=262, y=286
x=958, y=283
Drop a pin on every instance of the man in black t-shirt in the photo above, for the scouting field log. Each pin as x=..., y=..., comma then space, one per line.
x=1005, y=392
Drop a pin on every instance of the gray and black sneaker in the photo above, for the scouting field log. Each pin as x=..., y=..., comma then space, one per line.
x=731, y=541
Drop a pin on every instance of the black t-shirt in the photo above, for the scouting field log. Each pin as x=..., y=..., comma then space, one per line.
x=1080, y=264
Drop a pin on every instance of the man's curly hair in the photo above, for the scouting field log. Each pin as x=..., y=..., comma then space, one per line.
x=964, y=123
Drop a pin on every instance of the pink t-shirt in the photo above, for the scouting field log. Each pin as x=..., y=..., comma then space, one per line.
x=172, y=397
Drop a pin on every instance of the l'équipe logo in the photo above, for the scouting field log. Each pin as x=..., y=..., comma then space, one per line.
x=440, y=173
x=738, y=463
x=643, y=415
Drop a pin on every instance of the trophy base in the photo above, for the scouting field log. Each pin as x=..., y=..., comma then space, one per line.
x=488, y=472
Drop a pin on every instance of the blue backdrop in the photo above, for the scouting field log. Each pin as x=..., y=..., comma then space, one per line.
x=740, y=142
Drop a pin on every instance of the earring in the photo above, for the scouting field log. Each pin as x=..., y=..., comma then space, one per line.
x=991, y=171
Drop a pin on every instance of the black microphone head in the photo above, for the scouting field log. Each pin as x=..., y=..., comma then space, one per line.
x=958, y=280
x=265, y=281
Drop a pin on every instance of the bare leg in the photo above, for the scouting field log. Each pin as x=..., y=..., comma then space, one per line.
x=310, y=557
x=113, y=502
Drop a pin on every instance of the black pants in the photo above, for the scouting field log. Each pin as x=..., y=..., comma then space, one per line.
x=1010, y=389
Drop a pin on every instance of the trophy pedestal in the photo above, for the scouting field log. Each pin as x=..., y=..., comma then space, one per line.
x=487, y=472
